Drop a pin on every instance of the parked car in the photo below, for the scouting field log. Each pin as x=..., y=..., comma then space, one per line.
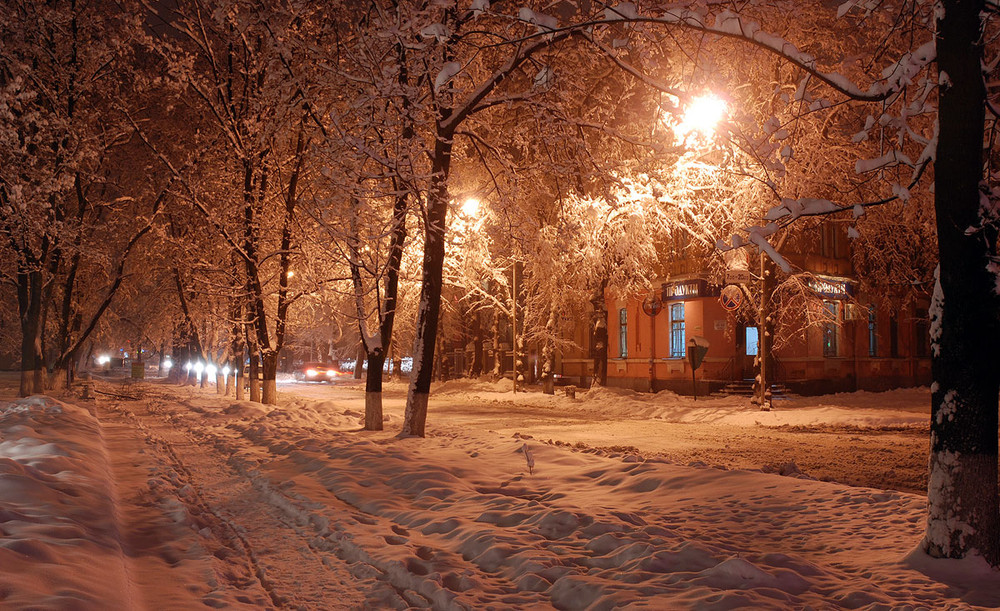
x=316, y=372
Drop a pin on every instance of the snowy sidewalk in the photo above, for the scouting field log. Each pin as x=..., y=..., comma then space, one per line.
x=68, y=537
x=464, y=521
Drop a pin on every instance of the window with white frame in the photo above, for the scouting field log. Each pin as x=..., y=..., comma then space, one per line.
x=677, y=345
x=622, y=333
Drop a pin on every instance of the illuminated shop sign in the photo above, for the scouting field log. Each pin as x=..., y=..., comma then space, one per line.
x=686, y=290
x=831, y=288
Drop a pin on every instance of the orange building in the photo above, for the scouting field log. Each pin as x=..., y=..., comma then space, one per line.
x=849, y=343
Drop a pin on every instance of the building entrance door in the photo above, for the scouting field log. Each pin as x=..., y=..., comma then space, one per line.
x=746, y=351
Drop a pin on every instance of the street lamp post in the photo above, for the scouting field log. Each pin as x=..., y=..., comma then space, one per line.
x=651, y=306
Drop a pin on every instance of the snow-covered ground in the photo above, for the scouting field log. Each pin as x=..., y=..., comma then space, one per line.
x=182, y=498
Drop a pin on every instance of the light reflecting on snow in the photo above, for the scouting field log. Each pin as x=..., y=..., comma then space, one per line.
x=567, y=524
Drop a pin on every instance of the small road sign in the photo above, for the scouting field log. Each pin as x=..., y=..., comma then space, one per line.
x=731, y=297
x=652, y=305
x=737, y=276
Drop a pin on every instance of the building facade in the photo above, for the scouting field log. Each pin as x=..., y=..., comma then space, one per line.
x=840, y=340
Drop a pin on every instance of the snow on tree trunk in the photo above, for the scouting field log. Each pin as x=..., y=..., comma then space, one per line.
x=497, y=347
x=962, y=495
x=765, y=336
x=520, y=362
x=429, y=311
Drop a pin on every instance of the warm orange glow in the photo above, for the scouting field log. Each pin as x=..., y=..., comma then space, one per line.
x=470, y=207
x=702, y=116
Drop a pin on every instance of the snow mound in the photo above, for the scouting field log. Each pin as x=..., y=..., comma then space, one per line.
x=59, y=543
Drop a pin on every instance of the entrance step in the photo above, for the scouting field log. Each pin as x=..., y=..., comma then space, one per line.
x=744, y=388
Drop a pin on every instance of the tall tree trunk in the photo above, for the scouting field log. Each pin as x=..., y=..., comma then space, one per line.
x=237, y=346
x=962, y=496
x=254, y=382
x=429, y=312
x=373, y=391
x=376, y=353
x=476, y=367
x=269, y=362
x=194, y=357
x=438, y=365
x=517, y=326
x=177, y=374
x=765, y=333
x=548, y=353
x=497, y=347
x=359, y=362
x=599, y=335
x=29, y=300
x=239, y=358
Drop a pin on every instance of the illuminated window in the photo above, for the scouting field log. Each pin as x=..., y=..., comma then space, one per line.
x=752, y=341
x=622, y=333
x=677, y=330
x=872, y=331
x=830, y=329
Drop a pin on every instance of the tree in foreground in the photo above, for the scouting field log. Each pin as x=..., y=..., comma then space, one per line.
x=963, y=503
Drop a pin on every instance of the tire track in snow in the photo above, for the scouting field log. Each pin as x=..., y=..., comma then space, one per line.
x=172, y=426
x=190, y=480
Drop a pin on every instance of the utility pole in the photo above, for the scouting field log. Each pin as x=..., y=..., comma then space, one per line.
x=651, y=306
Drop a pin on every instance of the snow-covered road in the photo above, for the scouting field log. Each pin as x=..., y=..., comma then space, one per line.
x=186, y=499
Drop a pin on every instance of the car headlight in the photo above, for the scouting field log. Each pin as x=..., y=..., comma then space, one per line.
x=311, y=373
x=330, y=373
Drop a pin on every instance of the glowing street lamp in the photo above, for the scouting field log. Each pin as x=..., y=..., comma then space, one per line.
x=471, y=207
x=702, y=116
